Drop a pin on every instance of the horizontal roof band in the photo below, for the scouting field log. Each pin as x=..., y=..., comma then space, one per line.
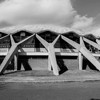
x=39, y=28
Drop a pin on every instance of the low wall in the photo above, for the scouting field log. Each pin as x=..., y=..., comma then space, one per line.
x=33, y=62
x=41, y=62
x=71, y=62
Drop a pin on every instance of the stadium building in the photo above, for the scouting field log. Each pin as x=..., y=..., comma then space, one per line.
x=48, y=47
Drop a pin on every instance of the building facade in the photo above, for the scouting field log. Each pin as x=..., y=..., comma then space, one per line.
x=48, y=48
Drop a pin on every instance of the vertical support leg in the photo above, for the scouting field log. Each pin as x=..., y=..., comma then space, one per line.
x=49, y=64
x=53, y=60
x=15, y=62
x=8, y=58
x=80, y=61
x=80, y=55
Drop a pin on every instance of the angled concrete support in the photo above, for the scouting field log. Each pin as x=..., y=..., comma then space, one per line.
x=3, y=37
x=25, y=40
x=52, y=56
x=84, y=51
x=49, y=64
x=91, y=58
x=12, y=51
x=53, y=60
x=54, y=42
x=44, y=42
x=74, y=44
x=80, y=55
x=8, y=58
x=98, y=41
x=93, y=43
x=12, y=40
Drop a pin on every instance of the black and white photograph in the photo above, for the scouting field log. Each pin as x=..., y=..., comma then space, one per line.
x=49, y=49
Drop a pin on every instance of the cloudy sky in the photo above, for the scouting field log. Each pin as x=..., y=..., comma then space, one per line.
x=79, y=14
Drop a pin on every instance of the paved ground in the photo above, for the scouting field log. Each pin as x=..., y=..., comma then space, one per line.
x=47, y=76
x=43, y=85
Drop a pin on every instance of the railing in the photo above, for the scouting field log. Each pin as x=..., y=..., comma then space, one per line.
x=4, y=45
x=28, y=46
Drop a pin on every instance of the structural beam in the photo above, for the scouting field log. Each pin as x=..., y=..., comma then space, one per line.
x=49, y=64
x=2, y=38
x=80, y=55
x=90, y=57
x=25, y=40
x=12, y=40
x=8, y=58
x=54, y=42
x=92, y=43
x=51, y=52
x=84, y=51
x=44, y=42
x=12, y=51
x=74, y=44
x=53, y=60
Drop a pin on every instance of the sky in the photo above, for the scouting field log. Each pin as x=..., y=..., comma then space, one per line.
x=78, y=14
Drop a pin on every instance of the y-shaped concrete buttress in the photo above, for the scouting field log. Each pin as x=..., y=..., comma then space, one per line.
x=53, y=43
x=51, y=52
x=53, y=60
x=92, y=43
x=8, y=58
x=84, y=51
x=12, y=51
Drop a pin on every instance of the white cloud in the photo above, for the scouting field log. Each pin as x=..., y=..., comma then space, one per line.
x=93, y=26
x=95, y=31
x=82, y=22
x=37, y=11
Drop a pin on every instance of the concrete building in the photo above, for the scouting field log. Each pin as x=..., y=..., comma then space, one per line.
x=47, y=47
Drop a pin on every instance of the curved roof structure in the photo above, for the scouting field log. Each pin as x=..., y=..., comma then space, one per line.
x=37, y=28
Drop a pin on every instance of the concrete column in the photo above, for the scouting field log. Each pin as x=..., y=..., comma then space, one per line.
x=16, y=62
x=49, y=64
x=53, y=60
x=80, y=55
x=80, y=61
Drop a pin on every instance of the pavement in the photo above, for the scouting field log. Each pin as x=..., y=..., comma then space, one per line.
x=44, y=76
